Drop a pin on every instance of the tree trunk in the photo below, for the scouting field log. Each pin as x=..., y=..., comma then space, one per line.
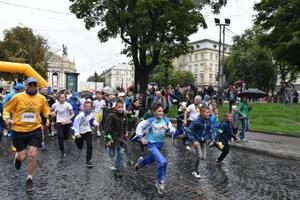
x=143, y=81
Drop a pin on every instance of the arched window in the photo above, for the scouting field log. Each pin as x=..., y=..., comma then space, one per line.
x=54, y=79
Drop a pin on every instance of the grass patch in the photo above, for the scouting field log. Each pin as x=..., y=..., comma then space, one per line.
x=274, y=118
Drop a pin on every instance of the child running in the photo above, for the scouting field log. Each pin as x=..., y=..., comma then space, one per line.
x=116, y=136
x=198, y=132
x=64, y=114
x=225, y=134
x=151, y=132
x=83, y=130
x=99, y=104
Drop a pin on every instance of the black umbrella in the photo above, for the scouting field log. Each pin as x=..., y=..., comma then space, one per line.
x=252, y=93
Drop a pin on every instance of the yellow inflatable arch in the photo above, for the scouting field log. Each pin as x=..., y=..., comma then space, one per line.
x=23, y=68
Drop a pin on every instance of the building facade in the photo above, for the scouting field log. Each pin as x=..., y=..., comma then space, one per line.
x=203, y=62
x=120, y=75
x=62, y=73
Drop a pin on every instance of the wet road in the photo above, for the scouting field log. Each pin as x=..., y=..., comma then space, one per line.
x=244, y=176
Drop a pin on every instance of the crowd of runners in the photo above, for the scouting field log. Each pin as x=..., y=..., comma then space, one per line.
x=29, y=114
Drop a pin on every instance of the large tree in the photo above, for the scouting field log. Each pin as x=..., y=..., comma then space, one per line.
x=251, y=62
x=21, y=45
x=280, y=23
x=149, y=28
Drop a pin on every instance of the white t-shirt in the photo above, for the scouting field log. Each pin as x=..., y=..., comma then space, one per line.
x=193, y=113
x=62, y=111
x=99, y=105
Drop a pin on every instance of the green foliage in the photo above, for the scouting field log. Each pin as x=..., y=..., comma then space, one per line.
x=95, y=77
x=22, y=46
x=280, y=23
x=149, y=28
x=251, y=62
x=165, y=76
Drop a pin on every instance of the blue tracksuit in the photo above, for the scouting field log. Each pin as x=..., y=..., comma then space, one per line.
x=154, y=131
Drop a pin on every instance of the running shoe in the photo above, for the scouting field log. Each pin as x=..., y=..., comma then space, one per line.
x=137, y=165
x=17, y=162
x=29, y=185
x=43, y=147
x=219, y=162
x=62, y=155
x=160, y=187
x=89, y=164
x=99, y=133
x=196, y=174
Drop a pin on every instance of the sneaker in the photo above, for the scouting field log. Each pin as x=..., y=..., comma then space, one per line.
x=137, y=165
x=29, y=185
x=196, y=174
x=17, y=162
x=89, y=164
x=118, y=174
x=62, y=155
x=98, y=134
x=43, y=147
x=188, y=148
x=219, y=162
x=160, y=187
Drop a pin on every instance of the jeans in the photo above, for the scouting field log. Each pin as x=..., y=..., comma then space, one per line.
x=200, y=154
x=155, y=155
x=245, y=127
x=87, y=137
x=118, y=163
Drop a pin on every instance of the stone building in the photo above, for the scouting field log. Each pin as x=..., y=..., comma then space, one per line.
x=120, y=75
x=203, y=62
x=62, y=73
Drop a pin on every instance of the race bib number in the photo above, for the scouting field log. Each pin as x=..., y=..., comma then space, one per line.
x=28, y=117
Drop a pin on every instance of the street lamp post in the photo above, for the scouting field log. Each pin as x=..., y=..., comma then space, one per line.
x=220, y=73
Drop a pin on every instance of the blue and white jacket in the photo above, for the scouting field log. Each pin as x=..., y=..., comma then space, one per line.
x=83, y=123
x=154, y=130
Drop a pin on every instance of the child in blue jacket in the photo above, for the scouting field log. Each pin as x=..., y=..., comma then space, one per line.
x=152, y=132
x=198, y=133
x=225, y=133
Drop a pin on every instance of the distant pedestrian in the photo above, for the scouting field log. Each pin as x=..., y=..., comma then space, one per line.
x=244, y=108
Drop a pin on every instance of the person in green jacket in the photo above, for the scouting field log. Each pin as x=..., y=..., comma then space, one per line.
x=244, y=108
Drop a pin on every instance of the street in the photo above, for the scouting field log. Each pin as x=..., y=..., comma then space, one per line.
x=244, y=176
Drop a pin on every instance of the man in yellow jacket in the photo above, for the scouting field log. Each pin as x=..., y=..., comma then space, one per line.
x=26, y=125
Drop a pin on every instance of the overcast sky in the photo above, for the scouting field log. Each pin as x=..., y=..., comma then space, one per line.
x=90, y=55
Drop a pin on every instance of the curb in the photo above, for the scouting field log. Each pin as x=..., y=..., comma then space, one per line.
x=278, y=155
x=279, y=133
x=265, y=152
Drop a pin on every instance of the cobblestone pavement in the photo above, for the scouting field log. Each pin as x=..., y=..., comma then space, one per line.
x=244, y=176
